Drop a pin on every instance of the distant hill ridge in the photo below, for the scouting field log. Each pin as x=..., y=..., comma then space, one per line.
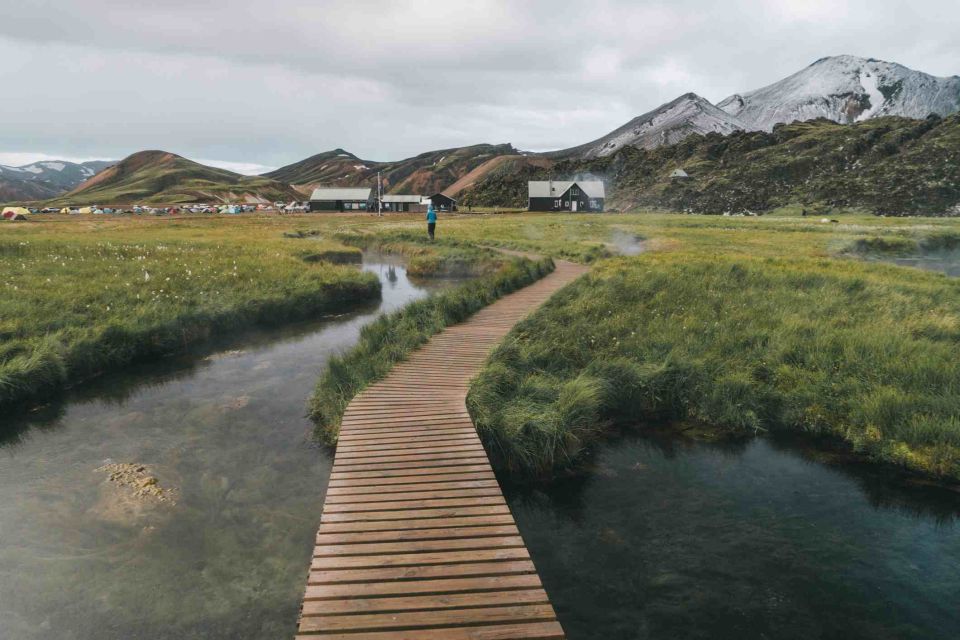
x=160, y=177
x=45, y=179
x=889, y=165
x=426, y=173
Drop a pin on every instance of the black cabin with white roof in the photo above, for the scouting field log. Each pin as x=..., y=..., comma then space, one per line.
x=340, y=199
x=568, y=195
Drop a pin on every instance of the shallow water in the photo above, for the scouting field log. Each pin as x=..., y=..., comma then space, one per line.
x=670, y=538
x=947, y=262
x=81, y=559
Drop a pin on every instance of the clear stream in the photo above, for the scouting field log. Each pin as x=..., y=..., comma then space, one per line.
x=660, y=537
x=669, y=537
x=80, y=559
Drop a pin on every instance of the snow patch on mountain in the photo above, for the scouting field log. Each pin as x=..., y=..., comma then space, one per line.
x=846, y=89
x=668, y=124
x=56, y=166
x=870, y=84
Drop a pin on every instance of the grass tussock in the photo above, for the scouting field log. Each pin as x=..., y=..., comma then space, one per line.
x=392, y=337
x=861, y=351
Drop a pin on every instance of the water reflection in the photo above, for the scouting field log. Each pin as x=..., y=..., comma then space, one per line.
x=82, y=559
x=669, y=537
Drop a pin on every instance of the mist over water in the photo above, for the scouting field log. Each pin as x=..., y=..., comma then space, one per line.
x=627, y=244
x=947, y=262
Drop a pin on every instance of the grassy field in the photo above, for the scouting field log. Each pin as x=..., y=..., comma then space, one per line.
x=744, y=324
x=84, y=295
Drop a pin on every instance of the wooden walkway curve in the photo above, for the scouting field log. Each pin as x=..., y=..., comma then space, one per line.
x=416, y=541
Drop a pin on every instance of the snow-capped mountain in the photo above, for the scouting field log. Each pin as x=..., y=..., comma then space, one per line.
x=46, y=179
x=667, y=124
x=846, y=89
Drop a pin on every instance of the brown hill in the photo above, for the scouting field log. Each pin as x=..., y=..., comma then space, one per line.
x=160, y=177
x=425, y=174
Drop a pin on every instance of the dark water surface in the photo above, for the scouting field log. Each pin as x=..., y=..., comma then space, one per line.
x=663, y=537
x=672, y=538
x=82, y=559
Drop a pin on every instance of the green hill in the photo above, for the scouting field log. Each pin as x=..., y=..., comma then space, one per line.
x=159, y=177
x=885, y=165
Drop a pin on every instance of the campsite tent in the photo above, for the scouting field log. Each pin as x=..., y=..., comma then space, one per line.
x=85, y=210
x=15, y=213
x=65, y=210
x=679, y=173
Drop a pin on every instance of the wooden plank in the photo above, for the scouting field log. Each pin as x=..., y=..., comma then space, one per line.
x=451, y=463
x=382, y=574
x=417, y=546
x=404, y=496
x=389, y=437
x=376, y=479
x=449, y=533
x=418, y=559
x=415, y=514
x=427, y=486
x=521, y=631
x=422, y=452
x=426, y=619
x=427, y=503
x=478, y=584
x=466, y=470
x=405, y=525
x=423, y=603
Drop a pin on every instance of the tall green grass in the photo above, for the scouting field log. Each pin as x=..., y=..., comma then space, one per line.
x=391, y=338
x=862, y=351
x=74, y=307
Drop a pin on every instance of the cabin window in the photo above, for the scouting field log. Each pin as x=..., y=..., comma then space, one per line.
x=574, y=191
x=556, y=203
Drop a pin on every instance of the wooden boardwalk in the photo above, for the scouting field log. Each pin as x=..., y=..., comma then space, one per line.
x=416, y=541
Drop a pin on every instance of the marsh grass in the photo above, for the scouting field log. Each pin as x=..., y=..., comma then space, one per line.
x=863, y=351
x=77, y=304
x=391, y=338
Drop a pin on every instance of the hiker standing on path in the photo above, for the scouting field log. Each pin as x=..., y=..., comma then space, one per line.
x=431, y=221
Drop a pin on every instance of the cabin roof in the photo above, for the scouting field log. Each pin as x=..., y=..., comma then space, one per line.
x=332, y=193
x=403, y=198
x=555, y=188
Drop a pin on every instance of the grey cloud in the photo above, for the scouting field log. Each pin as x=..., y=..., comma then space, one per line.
x=269, y=83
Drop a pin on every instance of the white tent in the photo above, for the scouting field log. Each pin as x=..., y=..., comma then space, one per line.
x=15, y=213
x=679, y=173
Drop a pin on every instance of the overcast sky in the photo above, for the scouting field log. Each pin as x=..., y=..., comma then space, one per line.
x=251, y=84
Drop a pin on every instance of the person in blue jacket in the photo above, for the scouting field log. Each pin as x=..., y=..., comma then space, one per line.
x=431, y=221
